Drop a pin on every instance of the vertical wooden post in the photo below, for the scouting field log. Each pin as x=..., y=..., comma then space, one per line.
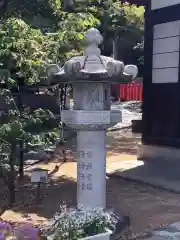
x=21, y=142
x=38, y=193
x=11, y=178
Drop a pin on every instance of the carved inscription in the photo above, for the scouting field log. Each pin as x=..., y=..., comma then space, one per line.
x=83, y=154
x=85, y=166
x=85, y=171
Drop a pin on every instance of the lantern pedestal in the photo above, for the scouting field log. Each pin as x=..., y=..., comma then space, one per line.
x=91, y=128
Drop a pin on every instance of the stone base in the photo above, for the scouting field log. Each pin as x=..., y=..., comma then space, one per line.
x=122, y=226
x=137, y=126
x=148, y=152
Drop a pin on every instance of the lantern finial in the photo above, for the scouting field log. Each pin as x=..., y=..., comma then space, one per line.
x=93, y=38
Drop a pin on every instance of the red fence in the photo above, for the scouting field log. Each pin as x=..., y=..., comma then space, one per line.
x=128, y=92
x=131, y=92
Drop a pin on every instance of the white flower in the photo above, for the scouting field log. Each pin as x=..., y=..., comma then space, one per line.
x=76, y=223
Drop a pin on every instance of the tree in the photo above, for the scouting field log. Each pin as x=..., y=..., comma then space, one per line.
x=50, y=34
x=139, y=57
x=27, y=51
x=119, y=22
x=26, y=126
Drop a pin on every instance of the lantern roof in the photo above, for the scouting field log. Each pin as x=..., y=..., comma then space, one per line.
x=92, y=66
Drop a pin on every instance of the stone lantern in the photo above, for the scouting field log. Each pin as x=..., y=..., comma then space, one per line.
x=91, y=76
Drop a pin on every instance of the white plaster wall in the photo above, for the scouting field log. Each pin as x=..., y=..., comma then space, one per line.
x=166, y=46
x=166, y=75
x=156, y=4
x=166, y=60
x=166, y=30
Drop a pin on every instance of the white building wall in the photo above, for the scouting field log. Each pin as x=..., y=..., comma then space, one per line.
x=166, y=41
x=156, y=4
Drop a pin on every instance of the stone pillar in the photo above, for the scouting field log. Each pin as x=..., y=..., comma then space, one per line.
x=91, y=147
x=91, y=169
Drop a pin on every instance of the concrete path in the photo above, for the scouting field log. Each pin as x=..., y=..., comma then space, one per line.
x=171, y=232
x=128, y=114
x=163, y=175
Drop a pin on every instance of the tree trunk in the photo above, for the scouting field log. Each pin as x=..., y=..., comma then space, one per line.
x=11, y=180
x=21, y=160
x=21, y=143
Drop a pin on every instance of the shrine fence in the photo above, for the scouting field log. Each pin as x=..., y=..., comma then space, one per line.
x=129, y=92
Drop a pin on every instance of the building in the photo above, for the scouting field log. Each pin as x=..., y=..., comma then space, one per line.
x=161, y=92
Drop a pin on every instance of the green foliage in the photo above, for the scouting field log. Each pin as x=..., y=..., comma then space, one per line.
x=25, y=51
x=11, y=132
x=38, y=120
x=139, y=49
x=43, y=140
x=35, y=34
x=133, y=29
x=16, y=125
x=119, y=20
x=15, y=128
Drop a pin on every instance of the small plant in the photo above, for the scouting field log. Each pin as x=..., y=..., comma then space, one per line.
x=27, y=231
x=73, y=224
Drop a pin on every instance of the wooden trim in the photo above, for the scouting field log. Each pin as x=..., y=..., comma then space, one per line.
x=147, y=82
x=170, y=142
x=167, y=14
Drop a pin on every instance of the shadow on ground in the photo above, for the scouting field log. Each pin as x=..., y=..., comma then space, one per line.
x=120, y=143
x=158, y=173
x=54, y=193
x=147, y=207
